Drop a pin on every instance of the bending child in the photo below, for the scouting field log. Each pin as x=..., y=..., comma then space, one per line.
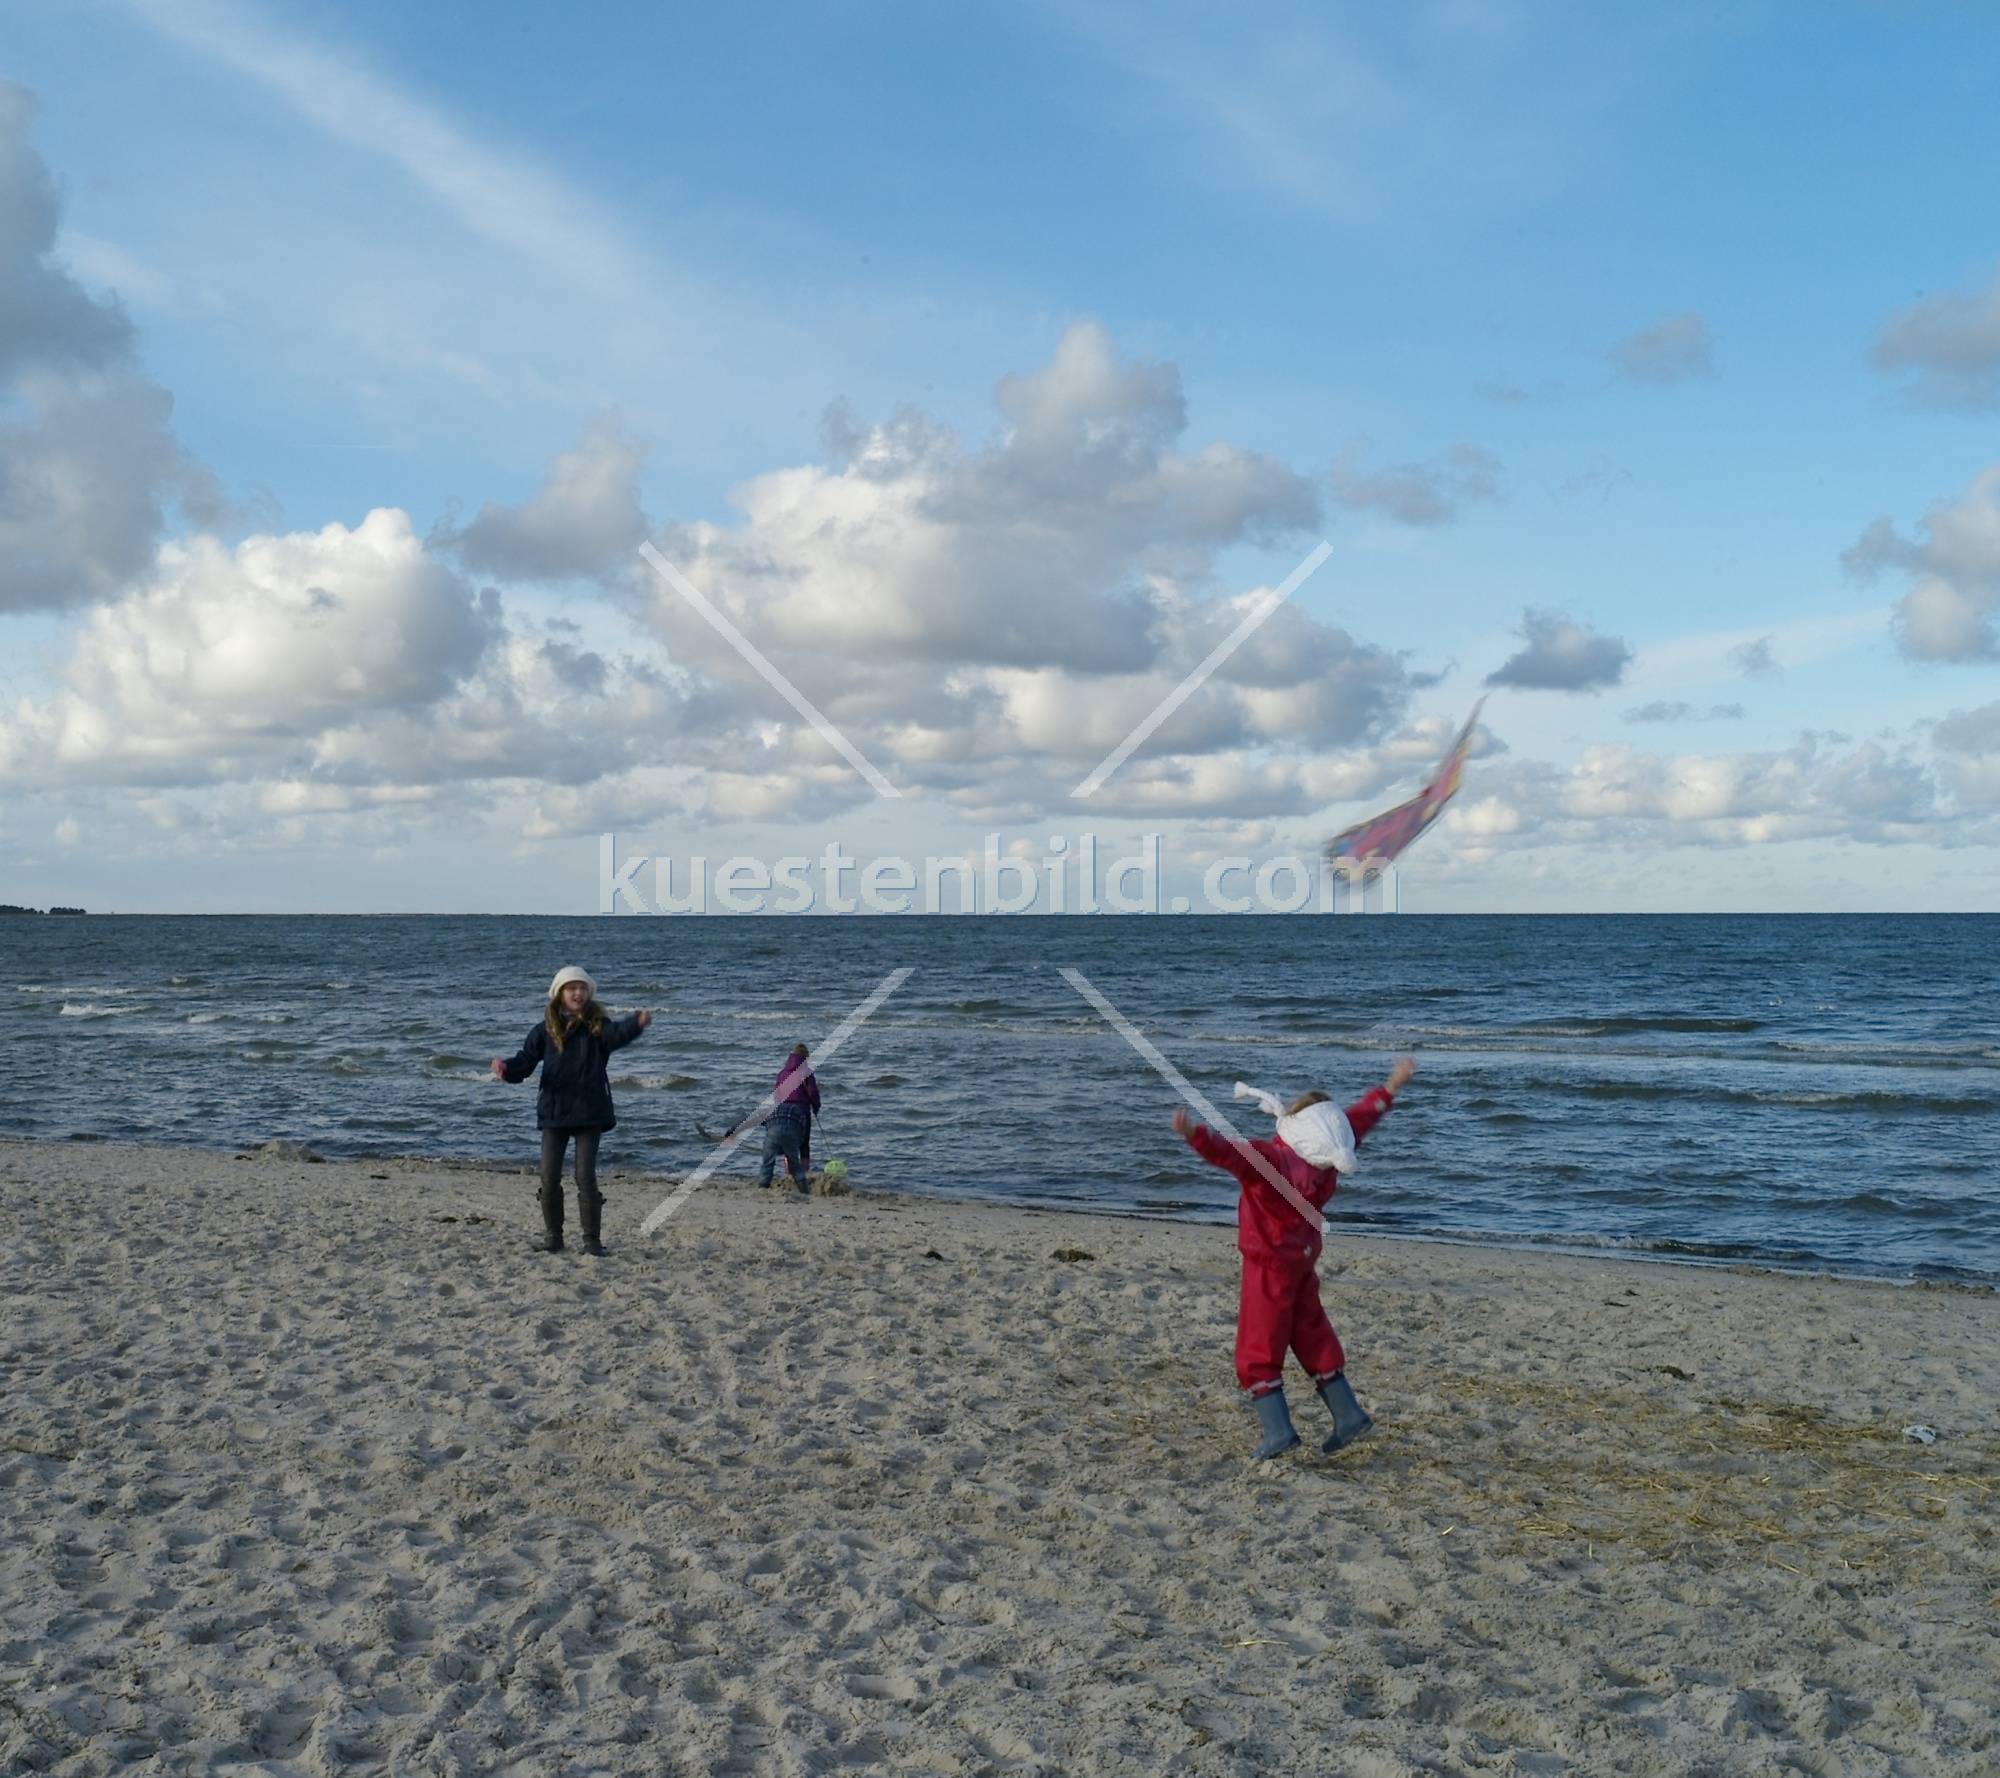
x=1279, y=1308
x=788, y=1130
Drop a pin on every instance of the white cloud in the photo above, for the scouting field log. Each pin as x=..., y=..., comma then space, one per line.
x=1562, y=655
x=504, y=197
x=1354, y=116
x=1433, y=493
x=1679, y=349
x=224, y=661
x=1755, y=660
x=123, y=274
x=1002, y=616
x=88, y=458
x=584, y=520
x=987, y=621
x=1679, y=710
x=1954, y=569
x=1949, y=346
x=1883, y=791
x=1968, y=743
x=1485, y=817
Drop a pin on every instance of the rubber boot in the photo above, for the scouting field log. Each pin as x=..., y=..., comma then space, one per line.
x=552, y=1220
x=1350, y=1419
x=590, y=1210
x=1276, y=1419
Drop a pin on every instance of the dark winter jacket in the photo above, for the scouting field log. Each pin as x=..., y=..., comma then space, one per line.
x=574, y=1095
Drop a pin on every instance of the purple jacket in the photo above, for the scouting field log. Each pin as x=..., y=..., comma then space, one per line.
x=796, y=1089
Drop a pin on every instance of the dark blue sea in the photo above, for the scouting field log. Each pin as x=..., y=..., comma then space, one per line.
x=1806, y=1091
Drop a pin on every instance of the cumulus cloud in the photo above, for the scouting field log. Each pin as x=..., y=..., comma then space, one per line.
x=226, y=659
x=1676, y=350
x=1949, y=348
x=1562, y=655
x=1968, y=744
x=1953, y=566
x=1432, y=493
x=88, y=458
x=349, y=681
x=584, y=520
x=994, y=619
x=1880, y=791
x=987, y=622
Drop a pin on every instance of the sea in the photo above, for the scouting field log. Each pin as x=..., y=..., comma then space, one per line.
x=1792, y=1091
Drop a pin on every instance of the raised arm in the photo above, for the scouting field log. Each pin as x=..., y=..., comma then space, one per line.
x=1216, y=1149
x=619, y=1032
x=1370, y=1109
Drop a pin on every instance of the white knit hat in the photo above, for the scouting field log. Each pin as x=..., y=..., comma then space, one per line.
x=572, y=974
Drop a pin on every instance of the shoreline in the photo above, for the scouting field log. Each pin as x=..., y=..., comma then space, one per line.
x=1340, y=1226
x=319, y=1468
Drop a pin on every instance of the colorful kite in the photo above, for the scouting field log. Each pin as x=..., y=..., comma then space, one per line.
x=1388, y=835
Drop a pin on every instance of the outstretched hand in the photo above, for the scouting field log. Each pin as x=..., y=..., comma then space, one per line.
x=1399, y=1075
x=644, y=1019
x=1182, y=1122
x=499, y=1069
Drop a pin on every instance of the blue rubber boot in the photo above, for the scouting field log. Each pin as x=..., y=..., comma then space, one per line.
x=1276, y=1419
x=1350, y=1419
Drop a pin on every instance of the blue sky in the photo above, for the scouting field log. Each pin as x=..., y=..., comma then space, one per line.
x=1616, y=328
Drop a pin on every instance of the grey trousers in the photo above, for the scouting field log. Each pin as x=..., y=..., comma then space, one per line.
x=588, y=1197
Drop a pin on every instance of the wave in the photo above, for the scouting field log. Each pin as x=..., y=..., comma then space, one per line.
x=206, y=1018
x=1874, y=1203
x=655, y=1083
x=1619, y=1027
x=1907, y=1054
x=1936, y=1104
x=1587, y=1026
x=87, y=1009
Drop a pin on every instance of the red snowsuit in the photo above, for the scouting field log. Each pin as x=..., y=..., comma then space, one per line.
x=1279, y=1309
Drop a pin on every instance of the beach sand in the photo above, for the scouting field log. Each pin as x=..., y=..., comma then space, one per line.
x=319, y=1468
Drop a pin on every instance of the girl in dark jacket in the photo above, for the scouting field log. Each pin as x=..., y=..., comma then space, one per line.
x=572, y=1044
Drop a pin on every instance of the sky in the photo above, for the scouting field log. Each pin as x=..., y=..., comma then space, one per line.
x=983, y=369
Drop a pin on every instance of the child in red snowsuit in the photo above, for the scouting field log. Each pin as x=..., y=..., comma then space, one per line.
x=1279, y=1309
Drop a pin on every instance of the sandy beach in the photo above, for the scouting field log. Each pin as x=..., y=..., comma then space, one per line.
x=319, y=1468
